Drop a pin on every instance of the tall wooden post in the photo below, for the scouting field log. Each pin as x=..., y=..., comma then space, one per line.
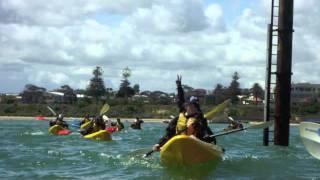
x=284, y=66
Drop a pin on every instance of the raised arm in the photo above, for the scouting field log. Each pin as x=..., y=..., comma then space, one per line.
x=180, y=95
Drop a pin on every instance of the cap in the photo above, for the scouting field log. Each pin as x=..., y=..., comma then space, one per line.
x=105, y=118
x=194, y=99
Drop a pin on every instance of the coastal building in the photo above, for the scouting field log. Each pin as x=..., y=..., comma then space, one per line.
x=304, y=92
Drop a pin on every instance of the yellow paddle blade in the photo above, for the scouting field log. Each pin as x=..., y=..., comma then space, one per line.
x=217, y=109
x=104, y=109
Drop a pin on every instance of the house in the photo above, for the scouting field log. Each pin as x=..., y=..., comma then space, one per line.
x=143, y=98
x=304, y=92
x=251, y=100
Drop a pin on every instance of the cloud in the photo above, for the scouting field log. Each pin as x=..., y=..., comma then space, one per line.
x=51, y=44
x=60, y=12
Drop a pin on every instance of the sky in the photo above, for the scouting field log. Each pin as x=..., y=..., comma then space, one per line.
x=50, y=44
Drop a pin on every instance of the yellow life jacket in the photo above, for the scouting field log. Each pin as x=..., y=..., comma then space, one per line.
x=86, y=120
x=183, y=123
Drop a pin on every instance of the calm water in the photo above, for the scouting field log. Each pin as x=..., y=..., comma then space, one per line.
x=29, y=152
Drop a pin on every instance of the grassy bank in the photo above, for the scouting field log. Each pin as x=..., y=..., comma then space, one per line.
x=242, y=112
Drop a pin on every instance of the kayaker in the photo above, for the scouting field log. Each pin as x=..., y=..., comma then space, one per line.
x=96, y=125
x=108, y=123
x=85, y=119
x=190, y=120
x=59, y=121
x=234, y=125
x=137, y=123
x=119, y=124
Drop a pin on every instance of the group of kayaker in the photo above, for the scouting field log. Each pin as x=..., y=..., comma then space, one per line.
x=189, y=121
x=93, y=124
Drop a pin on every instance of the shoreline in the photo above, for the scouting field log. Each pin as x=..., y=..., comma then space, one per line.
x=152, y=120
x=30, y=118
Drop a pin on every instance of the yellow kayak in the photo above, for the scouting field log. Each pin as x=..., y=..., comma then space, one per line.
x=58, y=130
x=185, y=150
x=101, y=135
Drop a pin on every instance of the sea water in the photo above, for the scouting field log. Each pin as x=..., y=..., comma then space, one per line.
x=27, y=151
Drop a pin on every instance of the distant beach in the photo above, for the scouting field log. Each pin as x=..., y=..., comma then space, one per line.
x=30, y=118
x=153, y=120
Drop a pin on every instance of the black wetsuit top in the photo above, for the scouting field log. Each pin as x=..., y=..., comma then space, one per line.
x=137, y=125
x=205, y=130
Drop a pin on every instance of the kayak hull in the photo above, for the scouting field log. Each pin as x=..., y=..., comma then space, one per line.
x=58, y=130
x=101, y=135
x=183, y=150
x=112, y=129
x=310, y=136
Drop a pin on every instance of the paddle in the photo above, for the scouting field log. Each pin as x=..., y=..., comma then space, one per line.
x=217, y=109
x=209, y=115
x=52, y=111
x=105, y=108
x=256, y=126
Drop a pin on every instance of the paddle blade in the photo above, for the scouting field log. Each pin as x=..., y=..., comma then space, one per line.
x=260, y=125
x=40, y=118
x=104, y=109
x=217, y=109
x=256, y=126
x=52, y=111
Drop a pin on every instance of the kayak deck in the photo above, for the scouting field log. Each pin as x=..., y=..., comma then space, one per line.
x=310, y=136
x=58, y=130
x=186, y=150
x=101, y=135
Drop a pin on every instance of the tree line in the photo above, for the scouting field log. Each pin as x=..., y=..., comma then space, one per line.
x=97, y=92
x=128, y=100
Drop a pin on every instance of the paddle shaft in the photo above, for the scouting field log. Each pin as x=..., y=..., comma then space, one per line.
x=52, y=111
x=148, y=153
x=258, y=126
x=228, y=132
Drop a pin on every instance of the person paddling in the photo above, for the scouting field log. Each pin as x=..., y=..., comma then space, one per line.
x=190, y=120
x=119, y=125
x=85, y=119
x=137, y=123
x=59, y=121
x=108, y=123
x=234, y=125
x=96, y=125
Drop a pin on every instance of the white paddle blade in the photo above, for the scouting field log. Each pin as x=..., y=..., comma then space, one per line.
x=52, y=111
